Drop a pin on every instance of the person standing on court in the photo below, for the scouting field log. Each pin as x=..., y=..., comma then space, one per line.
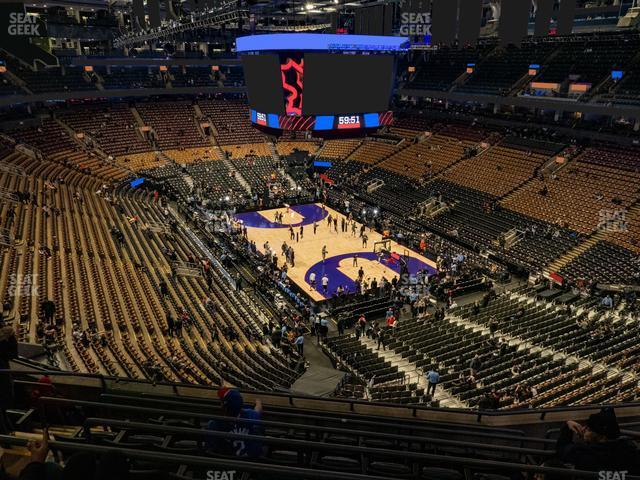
x=315, y=227
x=325, y=284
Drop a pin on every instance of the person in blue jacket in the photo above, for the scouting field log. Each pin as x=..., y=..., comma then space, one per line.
x=242, y=420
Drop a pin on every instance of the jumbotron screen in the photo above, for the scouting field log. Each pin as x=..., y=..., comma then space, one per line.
x=346, y=84
x=319, y=91
x=262, y=75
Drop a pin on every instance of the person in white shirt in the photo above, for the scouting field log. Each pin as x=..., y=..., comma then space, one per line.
x=312, y=280
x=325, y=283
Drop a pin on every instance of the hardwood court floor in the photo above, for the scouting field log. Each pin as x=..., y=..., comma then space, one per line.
x=262, y=228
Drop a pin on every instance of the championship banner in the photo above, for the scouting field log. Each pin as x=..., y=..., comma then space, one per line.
x=18, y=32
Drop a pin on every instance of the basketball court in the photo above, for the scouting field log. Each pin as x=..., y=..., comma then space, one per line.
x=380, y=258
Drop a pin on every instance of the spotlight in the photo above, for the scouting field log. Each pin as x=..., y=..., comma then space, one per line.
x=309, y=6
x=364, y=211
x=227, y=198
x=375, y=211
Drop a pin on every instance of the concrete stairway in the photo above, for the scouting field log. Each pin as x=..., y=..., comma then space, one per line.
x=137, y=117
x=564, y=260
x=232, y=168
x=13, y=78
x=276, y=156
x=413, y=373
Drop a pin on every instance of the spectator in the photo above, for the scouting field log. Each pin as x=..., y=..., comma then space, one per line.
x=433, y=378
x=112, y=465
x=493, y=325
x=233, y=407
x=341, y=326
x=324, y=328
x=164, y=289
x=475, y=364
x=362, y=322
x=4, y=314
x=171, y=325
x=382, y=339
x=391, y=321
x=597, y=445
x=49, y=310
x=8, y=351
x=299, y=343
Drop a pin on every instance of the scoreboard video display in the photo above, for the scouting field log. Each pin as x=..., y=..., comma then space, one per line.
x=318, y=81
x=321, y=122
x=343, y=84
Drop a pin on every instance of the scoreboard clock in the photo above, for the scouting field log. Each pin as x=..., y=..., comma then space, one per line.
x=261, y=118
x=348, y=121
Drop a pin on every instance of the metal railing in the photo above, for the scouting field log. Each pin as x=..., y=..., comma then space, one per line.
x=225, y=14
x=357, y=407
x=283, y=471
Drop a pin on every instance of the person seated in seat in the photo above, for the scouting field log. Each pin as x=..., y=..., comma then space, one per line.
x=597, y=445
x=233, y=407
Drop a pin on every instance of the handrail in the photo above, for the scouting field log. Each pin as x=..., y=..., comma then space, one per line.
x=474, y=416
x=176, y=459
x=372, y=423
x=370, y=434
x=279, y=441
x=285, y=471
x=449, y=460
